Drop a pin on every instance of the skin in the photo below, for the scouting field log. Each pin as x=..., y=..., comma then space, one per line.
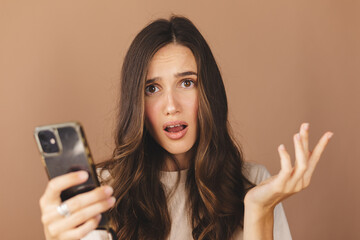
x=85, y=208
x=171, y=94
x=262, y=199
x=171, y=97
x=168, y=102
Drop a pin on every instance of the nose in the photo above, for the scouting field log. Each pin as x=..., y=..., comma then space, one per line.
x=171, y=105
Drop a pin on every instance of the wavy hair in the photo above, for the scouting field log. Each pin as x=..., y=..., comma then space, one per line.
x=215, y=183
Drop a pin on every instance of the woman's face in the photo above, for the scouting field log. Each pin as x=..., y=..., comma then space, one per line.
x=171, y=99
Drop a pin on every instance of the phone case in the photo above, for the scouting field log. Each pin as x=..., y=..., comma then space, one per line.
x=63, y=148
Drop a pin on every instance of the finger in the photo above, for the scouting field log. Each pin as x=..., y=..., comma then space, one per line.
x=301, y=160
x=82, y=230
x=304, y=134
x=316, y=154
x=85, y=199
x=81, y=216
x=286, y=167
x=58, y=184
x=78, y=202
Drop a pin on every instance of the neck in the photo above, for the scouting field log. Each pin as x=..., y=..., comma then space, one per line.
x=183, y=159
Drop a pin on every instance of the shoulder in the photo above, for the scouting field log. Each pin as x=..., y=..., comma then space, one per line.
x=103, y=175
x=98, y=235
x=254, y=172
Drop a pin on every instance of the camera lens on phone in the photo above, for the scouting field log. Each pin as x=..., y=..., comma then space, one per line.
x=48, y=141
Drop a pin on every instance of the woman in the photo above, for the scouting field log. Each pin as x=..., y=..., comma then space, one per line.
x=176, y=172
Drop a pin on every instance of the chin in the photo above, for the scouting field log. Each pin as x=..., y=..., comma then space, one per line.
x=177, y=148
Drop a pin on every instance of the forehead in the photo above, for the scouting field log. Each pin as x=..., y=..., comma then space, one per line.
x=171, y=59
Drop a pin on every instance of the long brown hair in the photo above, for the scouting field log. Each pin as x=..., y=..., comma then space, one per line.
x=215, y=183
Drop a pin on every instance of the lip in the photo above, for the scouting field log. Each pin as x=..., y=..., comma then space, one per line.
x=177, y=135
x=174, y=123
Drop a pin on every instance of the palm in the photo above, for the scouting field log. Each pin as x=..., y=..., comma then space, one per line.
x=290, y=179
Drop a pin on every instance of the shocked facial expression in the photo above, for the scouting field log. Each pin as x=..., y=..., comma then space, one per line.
x=171, y=99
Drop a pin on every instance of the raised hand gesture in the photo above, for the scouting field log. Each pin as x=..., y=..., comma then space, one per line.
x=261, y=200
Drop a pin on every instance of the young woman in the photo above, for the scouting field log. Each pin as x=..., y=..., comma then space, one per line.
x=176, y=172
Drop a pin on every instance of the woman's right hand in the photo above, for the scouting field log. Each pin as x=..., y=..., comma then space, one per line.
x=85, y=209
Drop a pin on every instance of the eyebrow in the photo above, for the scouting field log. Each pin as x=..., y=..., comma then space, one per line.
x=182, y=74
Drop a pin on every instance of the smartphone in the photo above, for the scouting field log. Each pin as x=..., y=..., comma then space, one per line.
x=64, y=149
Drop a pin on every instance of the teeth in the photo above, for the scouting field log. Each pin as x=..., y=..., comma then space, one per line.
x=171, y=126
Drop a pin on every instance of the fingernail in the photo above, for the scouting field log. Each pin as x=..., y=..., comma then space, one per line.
x=282, y=147
x=108, y=190
x=297, y=136
x=83, y=175
x=111, y=201
x=306, y=126
x=330, y=135
x=98, y=217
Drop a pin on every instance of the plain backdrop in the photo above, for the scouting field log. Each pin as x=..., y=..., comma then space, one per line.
x=283, y=63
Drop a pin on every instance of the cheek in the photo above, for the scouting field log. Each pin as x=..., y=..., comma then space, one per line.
x=191, y=109
x=195, y=107
x=150, y=115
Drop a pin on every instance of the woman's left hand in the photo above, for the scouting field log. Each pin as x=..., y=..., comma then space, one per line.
x=290, y=179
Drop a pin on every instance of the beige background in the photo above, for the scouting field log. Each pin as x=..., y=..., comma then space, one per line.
x=283, y=63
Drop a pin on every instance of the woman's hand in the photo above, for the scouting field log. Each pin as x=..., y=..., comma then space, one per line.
x=84, y=209
x=290, y=179
x=261, y=200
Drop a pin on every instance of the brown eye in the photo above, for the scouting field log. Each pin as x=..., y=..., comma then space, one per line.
x=151, y=89
x=187, y=83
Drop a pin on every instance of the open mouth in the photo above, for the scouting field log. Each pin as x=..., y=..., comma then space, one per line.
x=175, y=128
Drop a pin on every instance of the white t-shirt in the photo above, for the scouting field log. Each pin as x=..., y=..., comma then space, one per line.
x=178, y=210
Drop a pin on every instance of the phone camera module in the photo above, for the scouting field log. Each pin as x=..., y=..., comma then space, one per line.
x=48, y=141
